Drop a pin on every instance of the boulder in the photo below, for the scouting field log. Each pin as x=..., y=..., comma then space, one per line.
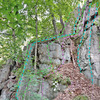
x=56, y=61
x=10, y=84
x=54, y=47
x=47, y=91
x=43, y=49
x=94, y=53
x=5, y=95
x=3, y=84
x=66, y=56
x=44, y=59
x=24, y=82
x=4, y=73
x=44, y=66
x=55, y=54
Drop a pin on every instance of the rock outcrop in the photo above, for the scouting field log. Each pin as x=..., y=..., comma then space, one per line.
x=6, y=80
x=94, y=51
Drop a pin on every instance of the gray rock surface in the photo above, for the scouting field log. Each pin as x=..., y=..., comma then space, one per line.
x=45, y=66
x=5, y=95
x=4, y=73
x=94, y=51
x=43, y=49
x=54, y=54
x=10, y=84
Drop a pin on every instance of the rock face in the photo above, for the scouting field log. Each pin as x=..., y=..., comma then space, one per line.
x=5, y=95
x=40, y=90
x=4, y=74
x=5, y=82
x=53, y=53
x=94, y=51
x=49, y=54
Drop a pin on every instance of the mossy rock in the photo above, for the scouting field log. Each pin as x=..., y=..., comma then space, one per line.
x=81, y=97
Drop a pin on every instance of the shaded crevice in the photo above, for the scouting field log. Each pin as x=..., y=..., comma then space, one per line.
x=0, y=92
x=12, y=66
x=98, y=29
x=89, y=27
x=37, y=52
x=85, y=23
x=71, y=58
x=93, y=16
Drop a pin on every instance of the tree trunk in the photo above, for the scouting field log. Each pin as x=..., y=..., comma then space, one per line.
x=53, y=20
x=86, y=12
x=62, y=23
x=84, y=17
x=14, y=42
x=54, y=24
x=71, y=51
x=36, y=40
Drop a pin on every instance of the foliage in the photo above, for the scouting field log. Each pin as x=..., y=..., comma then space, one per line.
x=17, y=18
x=18, y=21
x=56, y=77
x=12, y=22
x=68, y=81
x=2, y=62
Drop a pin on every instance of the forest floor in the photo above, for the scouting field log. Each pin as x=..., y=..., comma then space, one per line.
x=80, y=84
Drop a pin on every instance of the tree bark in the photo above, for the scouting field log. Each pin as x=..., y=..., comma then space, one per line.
x=86, y=12
x=54, y=24
x=14, y=42
x=36, y=40
x=71, y=51
x=62, y=23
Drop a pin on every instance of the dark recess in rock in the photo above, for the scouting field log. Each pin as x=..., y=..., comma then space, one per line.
x=93, y=16
x=0, y=91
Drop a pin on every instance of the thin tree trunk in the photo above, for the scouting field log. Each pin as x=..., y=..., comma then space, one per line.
x=71, y=51
x=14, y=42
x=53, y=20
x=54, y=24
x=84, y=18
x=86, y=12
x=62, y=23
x=36, y=40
